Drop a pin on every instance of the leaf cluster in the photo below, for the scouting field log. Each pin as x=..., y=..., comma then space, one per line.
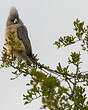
x=59, y=89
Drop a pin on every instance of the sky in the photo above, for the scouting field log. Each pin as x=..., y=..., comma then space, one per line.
x=45, y=21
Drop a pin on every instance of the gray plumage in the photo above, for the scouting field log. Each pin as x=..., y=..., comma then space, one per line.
x=23, y=35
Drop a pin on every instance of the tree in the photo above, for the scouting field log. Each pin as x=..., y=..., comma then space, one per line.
x=46, y=83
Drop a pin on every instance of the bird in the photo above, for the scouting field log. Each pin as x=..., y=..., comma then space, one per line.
x=15, y=25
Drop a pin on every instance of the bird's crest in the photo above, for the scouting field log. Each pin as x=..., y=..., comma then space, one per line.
x=14, y=12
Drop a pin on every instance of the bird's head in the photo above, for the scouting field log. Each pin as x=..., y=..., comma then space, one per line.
x=13, y=17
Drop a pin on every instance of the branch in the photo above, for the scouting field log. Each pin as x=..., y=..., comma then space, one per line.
x=42, y=66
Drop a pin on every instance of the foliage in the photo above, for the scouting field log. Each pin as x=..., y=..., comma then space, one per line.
x=59, y=89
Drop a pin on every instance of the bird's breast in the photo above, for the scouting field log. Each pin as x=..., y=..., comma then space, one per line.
x=16, y=44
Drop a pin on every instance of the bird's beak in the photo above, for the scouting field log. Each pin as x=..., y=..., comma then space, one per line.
x=15, y=21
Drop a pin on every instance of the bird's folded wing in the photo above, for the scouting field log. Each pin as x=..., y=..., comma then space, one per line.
x=23, y=36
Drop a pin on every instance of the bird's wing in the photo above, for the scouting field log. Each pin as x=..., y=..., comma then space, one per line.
x=23, y=36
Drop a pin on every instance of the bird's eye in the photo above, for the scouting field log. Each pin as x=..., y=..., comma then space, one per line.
x=15, y=21
x=12, y=20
